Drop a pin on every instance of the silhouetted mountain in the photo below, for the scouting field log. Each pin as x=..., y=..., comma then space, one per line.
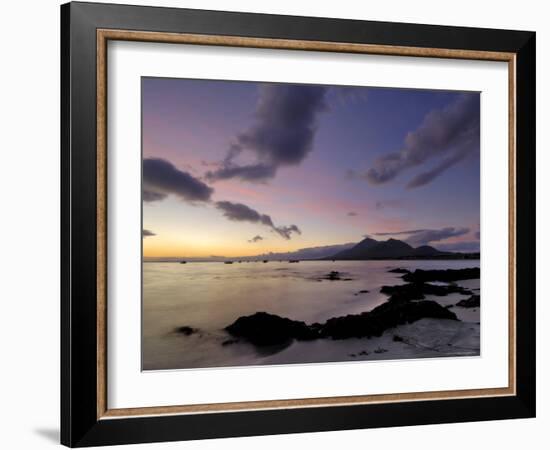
x=392, y=248
x=356, y=251
x=426, y=250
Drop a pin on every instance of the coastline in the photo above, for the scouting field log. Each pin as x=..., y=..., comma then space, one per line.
x=424, y=338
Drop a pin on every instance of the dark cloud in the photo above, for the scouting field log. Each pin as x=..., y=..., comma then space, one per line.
x=161, y=178
x=426, y=236
x=255, y=239
x=242, y=213
x=151, y=196
x=428, y=176
x=352, y=214
x=469, y=246
x=253, y=172
x=147, y=233
x=286, y=231
x=447, y=135
x=398, y=233
x=282, y=135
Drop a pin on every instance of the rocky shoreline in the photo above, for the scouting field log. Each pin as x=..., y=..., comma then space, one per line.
x=406, y=304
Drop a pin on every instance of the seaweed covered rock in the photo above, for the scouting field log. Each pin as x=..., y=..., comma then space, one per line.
x=399, y=270
x=186, y=330
x=423, y=276
x=418, y=291
x=471, y=302
x=383, y=317
x=265, y=329
x=334, y=275
x=403, y=292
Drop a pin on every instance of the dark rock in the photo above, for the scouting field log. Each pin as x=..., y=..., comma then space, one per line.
x=400, y=297
x=423, y=276
x=417, y=291
x=472, y=302
x=383, y=317
x=363, y=291
x=265, y=329
x=380, y=350
x=334, y=275
x=403, y=292
x=230, y=342
x=186, y=330
x=399, y=270
x=397, y=338
x=433, y=289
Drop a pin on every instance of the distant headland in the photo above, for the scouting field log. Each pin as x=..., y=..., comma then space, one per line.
x=370, y=248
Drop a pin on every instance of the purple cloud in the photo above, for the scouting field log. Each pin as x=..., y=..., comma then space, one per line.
x=282, y=135
x=238, y=212
x=426, y=236
x=161, y=178
x=446, y=135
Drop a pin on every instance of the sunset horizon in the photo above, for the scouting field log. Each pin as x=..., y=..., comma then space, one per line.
x=242, y=168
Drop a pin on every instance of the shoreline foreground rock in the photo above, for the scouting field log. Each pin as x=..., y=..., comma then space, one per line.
x=418, y=291
x=471, y=302
x=446, y=275
x=264, y=329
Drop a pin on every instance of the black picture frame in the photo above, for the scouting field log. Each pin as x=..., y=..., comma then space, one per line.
x=80, y=425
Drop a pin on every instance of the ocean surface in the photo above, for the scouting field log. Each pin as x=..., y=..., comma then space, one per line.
x=211, y=295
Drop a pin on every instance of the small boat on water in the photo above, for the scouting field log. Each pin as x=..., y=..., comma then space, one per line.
x=265, y=260
x=183, y=262
x=293, y=260
x=228, y=262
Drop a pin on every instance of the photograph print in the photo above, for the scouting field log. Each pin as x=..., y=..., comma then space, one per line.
x=297, y=223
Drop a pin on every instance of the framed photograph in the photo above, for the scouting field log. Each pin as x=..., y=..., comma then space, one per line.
x=276, y=224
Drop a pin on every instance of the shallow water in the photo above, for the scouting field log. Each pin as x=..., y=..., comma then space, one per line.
x=209, y=296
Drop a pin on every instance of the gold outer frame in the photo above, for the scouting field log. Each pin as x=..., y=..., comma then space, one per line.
x=104, y=35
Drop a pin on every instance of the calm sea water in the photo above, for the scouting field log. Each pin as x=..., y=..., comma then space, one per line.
x=210, y=296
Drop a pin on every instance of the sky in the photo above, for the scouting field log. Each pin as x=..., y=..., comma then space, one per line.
x=234, y=168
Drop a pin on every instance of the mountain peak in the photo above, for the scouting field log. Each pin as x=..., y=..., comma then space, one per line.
x=370, y=248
